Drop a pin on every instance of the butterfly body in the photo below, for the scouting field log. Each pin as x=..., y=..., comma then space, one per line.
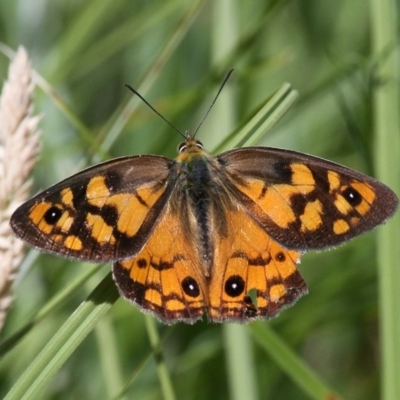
x=220, y=236
x=198, y=201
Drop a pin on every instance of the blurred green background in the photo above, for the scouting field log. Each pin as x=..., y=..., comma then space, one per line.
x=176, y=54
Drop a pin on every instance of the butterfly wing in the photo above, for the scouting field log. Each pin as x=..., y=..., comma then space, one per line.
x=103, y=213
x=305, y=202
x=248, y=260
x=166, y=277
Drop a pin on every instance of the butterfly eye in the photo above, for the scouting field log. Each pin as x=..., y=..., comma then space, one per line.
x=199, y=145
x=182, y=147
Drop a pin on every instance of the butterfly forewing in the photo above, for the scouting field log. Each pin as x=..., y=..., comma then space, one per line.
x=305, y=202
x=103, y=213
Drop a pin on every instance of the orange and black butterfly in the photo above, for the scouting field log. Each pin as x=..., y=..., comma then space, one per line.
x=200, y=234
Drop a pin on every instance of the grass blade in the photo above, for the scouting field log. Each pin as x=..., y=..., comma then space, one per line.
x=64, y=342
x=292, y=364
x=387, y=149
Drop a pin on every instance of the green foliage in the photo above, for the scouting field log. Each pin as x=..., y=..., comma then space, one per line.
x=86, y=51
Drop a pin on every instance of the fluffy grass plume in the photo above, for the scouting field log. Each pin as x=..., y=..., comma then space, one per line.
x=19, y=144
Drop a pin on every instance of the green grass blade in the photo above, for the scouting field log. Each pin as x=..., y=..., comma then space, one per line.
x=64, y=342
x=122, y=116
x=240, y=362
x=162, y=369
x=48, y=308
x=121, y=38
x=291, y=363
x=110, y=362
x=269, y=113
x=387, y=150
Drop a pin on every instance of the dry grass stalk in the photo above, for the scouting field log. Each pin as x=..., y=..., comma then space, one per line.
x=19, y=145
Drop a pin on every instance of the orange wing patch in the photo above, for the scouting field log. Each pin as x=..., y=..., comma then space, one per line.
x=165, y=278
x=275, y=200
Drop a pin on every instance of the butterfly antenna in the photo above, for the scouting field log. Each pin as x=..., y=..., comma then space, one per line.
x=157, y=112
x=213, y=102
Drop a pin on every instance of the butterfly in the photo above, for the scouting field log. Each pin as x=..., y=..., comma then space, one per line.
x=199, y=235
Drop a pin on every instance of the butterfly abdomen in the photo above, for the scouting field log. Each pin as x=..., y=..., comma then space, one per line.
x=198, y=188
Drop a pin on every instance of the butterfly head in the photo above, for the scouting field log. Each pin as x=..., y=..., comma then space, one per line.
x=189, y=148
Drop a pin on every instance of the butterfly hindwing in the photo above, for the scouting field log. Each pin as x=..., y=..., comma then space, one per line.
x=103, y=213
x=254, y=277
x=305, y=202
x=165, y=278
